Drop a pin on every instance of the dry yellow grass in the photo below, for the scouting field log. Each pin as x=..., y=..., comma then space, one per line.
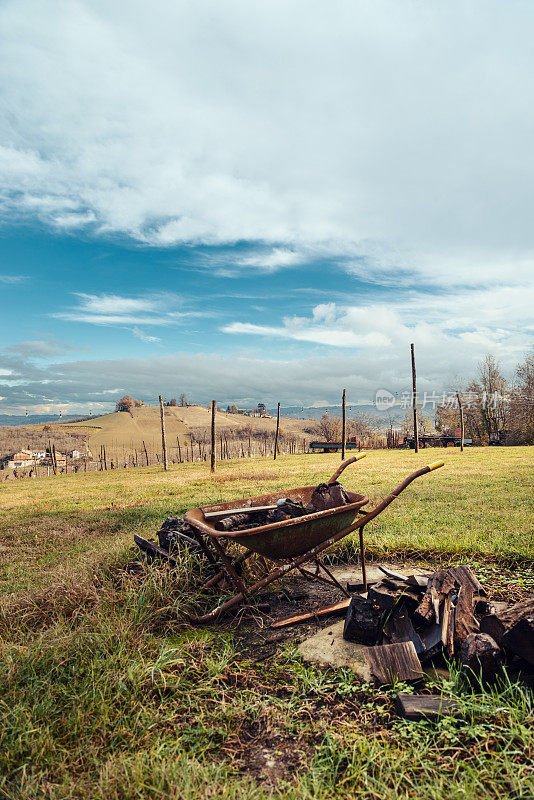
x=123, y=433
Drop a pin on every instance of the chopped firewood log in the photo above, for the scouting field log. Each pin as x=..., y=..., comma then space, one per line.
x=481, y=655
x=439, y=586
x=447, y=624
x=464, y=574
x=362, y=623
x=431, y=637
x=464, y=618
x=519, y=639
x=394, y=662
x=387, y=593
x=399, y=628
x=425, y=706
x=496, y=625
x=319, y=612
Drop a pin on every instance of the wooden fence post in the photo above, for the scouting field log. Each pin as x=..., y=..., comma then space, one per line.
x=163, y=439
x=179, y=449
x=344, y=424
x=461, y=422
x=213, y=454
x=277, y=431
x=146, y=452
x=414, y=402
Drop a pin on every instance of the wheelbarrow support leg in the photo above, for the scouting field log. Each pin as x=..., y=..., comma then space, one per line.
x=362, y=559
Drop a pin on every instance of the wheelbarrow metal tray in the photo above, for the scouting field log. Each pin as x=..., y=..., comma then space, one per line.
x=286, y=539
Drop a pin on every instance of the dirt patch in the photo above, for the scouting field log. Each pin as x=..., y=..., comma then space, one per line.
x=268, y=754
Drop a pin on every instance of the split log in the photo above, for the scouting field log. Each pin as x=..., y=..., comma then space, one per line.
x=425, y=706
x=431, y=637
x=439, y=586
x=362, y=623
x=399, y=628
x=519, y=639
x=481, y=655
x=386, y=593
x=464, y=619
x=447, y=627
x=496, y=625
x=394, y=662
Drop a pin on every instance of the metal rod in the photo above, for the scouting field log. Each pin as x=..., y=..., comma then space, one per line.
x=344, y=424
x=277, y=431
x=334, y=579
x=213, y=453
x=163, y=439
x=461, y=422
x=414, y=402
x=362, y=559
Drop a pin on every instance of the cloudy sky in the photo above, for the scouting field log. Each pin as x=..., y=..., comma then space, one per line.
x=261, y=200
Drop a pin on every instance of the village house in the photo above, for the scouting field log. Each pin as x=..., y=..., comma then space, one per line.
x=22, y=458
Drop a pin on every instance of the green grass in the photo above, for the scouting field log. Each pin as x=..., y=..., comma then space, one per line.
x=479, y=503
x=105, y=694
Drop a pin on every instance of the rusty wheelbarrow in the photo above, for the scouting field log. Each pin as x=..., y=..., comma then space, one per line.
x=288, y=544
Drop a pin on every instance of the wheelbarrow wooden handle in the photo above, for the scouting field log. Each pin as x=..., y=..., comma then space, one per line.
x=344, y=465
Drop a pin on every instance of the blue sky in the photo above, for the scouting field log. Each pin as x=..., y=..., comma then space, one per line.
x=261, y=201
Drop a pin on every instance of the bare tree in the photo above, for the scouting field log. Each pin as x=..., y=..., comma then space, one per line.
x=126, y=403
x=522, y=402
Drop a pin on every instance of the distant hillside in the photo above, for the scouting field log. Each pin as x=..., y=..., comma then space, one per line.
x=124, y=432
x=33, y=419
x=353, y=412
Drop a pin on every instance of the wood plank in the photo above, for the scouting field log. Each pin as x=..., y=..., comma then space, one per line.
x=399, y=628
x=425, y=706
x=394, y=662
x=319, y=612
x=392, y=574
x=230, y=512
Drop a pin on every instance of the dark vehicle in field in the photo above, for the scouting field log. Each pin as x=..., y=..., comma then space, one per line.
x=332, y=447
x=437, y=440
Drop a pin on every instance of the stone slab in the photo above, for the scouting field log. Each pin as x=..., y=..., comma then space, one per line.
x=329, y=647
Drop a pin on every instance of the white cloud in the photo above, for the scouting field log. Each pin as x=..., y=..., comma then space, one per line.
x=111, y=309
x=386, y=131
x=497, y=320
x=12, y=278
x=298, y=330
x=273, y=260
x=145, y=337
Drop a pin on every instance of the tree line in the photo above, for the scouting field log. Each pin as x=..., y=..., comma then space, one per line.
x=495, y=409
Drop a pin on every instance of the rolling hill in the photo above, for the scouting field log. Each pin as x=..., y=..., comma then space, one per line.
x=124, y=432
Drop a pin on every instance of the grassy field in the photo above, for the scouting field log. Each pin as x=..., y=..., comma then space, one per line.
x=106, y=693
